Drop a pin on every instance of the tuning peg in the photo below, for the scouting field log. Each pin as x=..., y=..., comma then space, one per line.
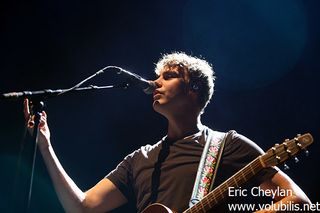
x=298, y=135
x=296, y=160
x=286, y=167
x=306, y=152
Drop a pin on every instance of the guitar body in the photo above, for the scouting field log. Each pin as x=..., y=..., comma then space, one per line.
x=157, y=208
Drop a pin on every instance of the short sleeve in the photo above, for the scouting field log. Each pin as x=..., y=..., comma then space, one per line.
x=121, y=176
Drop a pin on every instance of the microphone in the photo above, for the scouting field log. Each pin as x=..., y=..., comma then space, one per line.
x=133, y=79
x=147, y=86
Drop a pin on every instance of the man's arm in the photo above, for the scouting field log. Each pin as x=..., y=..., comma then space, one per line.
x=103, y=197
x=295, y=195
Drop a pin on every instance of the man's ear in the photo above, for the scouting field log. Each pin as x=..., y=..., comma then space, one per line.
x=194, y=87
x=194, y=90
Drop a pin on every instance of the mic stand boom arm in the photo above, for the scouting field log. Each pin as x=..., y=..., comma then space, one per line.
x=37, y=98
x=48, y=93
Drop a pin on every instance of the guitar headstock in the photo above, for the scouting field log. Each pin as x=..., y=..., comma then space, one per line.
x=289, y=148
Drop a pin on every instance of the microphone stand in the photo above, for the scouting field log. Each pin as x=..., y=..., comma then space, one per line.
x=37, y=98
x=37, y=109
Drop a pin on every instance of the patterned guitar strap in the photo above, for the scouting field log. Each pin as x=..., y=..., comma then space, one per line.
x=209, y=162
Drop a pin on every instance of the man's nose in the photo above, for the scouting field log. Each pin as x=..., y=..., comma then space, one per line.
x=158, y=82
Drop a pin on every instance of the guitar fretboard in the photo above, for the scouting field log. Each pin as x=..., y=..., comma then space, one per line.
x=220, y=193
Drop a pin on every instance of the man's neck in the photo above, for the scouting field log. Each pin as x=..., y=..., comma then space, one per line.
x=179, y=128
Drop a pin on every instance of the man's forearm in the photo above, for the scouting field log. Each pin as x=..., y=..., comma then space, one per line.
x=69, y=194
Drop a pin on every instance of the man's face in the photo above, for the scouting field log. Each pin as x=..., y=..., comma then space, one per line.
x=172, y=94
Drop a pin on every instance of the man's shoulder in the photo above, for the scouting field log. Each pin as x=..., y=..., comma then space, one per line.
x=232, y=135
x=219, y=135
x=145, y=150
x=232, y=138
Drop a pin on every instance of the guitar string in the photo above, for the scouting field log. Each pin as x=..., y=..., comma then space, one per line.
x=248, y=172
x=207, y=201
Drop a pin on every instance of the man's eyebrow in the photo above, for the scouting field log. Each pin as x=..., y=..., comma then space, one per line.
x=165, y=71
x=175, y=71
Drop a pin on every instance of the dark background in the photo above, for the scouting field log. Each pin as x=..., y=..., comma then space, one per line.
x=265, y=54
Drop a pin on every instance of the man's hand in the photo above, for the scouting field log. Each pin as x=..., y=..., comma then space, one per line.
x=44, y=132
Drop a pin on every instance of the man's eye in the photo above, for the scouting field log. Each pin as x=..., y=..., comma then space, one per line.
x=170, y=75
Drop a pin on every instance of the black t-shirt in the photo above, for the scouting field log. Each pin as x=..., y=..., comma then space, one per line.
x=165, y=172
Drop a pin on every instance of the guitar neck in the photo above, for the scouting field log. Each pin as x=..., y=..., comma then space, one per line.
x=220, y=193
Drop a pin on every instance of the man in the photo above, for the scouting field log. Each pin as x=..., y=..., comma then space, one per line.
x=165, y=172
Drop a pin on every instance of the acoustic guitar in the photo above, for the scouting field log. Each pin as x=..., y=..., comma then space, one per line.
x=276, y=155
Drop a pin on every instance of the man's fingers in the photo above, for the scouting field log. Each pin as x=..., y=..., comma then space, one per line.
x=44, y=114
x=31, y=122
x=42, y=123
x=26, y=109
x=30, y=118
x=43, y=119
